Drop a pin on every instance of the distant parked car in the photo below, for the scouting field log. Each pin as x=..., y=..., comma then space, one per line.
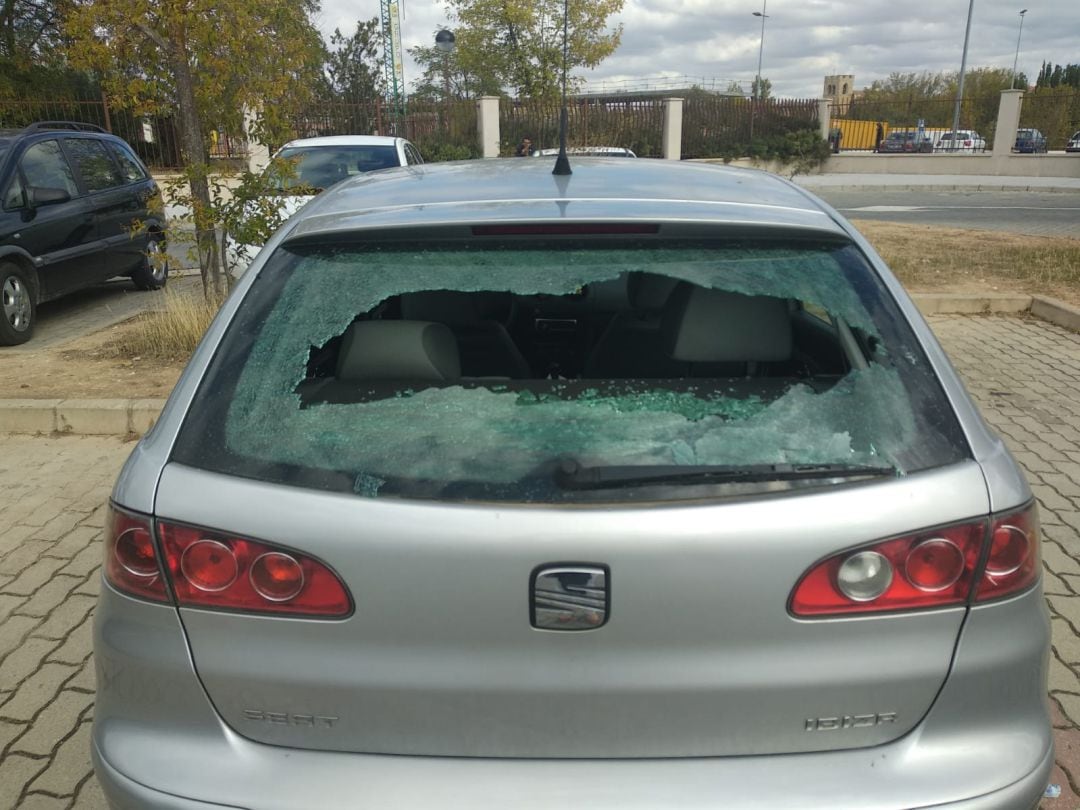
x=1074, y=142
x=967, y=140
x=320, y=163
x=588, y=151
x=906, y=141
x=78, y=207
x=1029, y=140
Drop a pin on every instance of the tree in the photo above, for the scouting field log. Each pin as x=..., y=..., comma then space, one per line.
x=437, y=67
x=761, y=89
x=353, y=65
x=518, y=44
x=208, y=59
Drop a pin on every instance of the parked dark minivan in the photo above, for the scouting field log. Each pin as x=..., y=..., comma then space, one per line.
x=78, y=207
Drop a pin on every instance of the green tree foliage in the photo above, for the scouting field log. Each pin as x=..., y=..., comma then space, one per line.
x=208, y=60
x=353, y=66
x=1055, y=76
x=761, y=89
x=518, y=44
x=439, y=69
x=31, y=55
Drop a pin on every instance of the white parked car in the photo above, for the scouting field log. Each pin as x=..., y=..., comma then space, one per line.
x=320, y=163
x=588, y=151
x=1074, y=142
x=968, y=140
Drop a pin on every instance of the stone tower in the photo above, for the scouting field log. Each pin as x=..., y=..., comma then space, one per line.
x=840, y=88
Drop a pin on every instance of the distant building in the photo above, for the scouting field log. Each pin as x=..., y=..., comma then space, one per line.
x=840, y=88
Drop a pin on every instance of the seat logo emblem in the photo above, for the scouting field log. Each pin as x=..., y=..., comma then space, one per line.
x=570, y=597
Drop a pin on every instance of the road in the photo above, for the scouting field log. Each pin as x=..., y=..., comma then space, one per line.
x=1034, y=213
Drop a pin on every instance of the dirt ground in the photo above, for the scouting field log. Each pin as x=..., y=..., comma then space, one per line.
x=926, y=258
x=87, y=368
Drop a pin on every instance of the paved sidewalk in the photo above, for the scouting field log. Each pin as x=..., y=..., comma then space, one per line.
x=1024, y=372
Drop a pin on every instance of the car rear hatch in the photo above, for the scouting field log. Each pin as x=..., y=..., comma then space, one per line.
x=699, y=655
x=433, y=504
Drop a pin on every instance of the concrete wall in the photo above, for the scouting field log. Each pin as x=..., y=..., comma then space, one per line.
x=988, y=164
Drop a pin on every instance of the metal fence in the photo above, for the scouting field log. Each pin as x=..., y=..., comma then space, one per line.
x=726, y=126
x=440, y=130
x=865, y=122
x=1055, y=113
x=154, y=138
x=633, y=123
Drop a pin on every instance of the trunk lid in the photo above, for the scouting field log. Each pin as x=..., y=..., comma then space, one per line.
x=699, y=655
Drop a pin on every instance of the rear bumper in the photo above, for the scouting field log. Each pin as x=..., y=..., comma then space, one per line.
x=476, y=785
x=158, y=744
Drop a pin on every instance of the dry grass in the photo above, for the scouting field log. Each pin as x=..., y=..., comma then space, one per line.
x=927, y=257
x=171, y=333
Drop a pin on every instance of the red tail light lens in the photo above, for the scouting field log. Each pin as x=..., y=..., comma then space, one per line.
x=1013, y=563
x=935, y=568
x=277, y=577
x=923, y=565
x=209, y=565
x=209, y=569
x=131, y=564
x=935, y=564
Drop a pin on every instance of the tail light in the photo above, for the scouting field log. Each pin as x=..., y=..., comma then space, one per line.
x=979, y=561
x=210, y=569
x=131, y=561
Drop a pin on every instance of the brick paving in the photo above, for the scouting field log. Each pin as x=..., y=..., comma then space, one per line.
x=50, y=562
x=1024, y=373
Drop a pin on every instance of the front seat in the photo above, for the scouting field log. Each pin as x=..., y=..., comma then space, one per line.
x=486, y=348
x=716, y=333
x=398, y=351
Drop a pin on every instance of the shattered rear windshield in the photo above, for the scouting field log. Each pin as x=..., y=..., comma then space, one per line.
x=568, y=371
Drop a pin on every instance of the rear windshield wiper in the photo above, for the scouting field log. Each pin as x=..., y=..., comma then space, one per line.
x=571, y=475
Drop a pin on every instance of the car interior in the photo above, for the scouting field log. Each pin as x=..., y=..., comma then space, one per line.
x=640, y=328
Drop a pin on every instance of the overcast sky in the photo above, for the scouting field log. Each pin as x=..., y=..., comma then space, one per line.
x=804, y=39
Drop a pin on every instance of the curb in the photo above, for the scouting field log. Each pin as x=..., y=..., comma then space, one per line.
x=84, y=417
x=824, y=188
x=134, y=417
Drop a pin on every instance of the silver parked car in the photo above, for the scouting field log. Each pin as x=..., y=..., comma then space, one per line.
x=644, y=487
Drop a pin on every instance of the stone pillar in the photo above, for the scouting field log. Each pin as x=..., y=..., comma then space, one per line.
x=258, y=152
x=671, y=146
x=1008, y=120
x=824, y=113
x=487, y=125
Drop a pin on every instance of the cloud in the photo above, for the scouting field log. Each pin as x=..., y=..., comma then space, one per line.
x=804, y=39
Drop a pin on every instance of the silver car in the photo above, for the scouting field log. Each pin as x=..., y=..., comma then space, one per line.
x=644, y=487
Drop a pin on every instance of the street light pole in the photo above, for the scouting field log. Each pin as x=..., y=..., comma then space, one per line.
x=755, y=96
x=960, y=85
x=761, y=46
x=1012, y=81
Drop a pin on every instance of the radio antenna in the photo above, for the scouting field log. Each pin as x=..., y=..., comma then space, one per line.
x=562, y=163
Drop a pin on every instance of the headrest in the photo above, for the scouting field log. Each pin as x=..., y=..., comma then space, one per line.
x=702, y=325
x=454, y=307
x=650, y=290
x=398, y=350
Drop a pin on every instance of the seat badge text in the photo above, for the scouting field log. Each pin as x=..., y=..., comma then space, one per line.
x=287, y=719
x=849, y=721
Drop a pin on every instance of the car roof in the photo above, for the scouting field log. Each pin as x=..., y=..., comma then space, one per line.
x=511, y=190
x=344, y=140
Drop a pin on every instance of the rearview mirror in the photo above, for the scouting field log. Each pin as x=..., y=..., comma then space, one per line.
x=47, y=196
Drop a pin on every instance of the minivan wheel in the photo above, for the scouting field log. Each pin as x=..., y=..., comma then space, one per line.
x=16, y=305
x=153, y=272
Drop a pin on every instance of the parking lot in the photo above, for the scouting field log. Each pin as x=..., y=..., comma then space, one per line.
x=1024, y=373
